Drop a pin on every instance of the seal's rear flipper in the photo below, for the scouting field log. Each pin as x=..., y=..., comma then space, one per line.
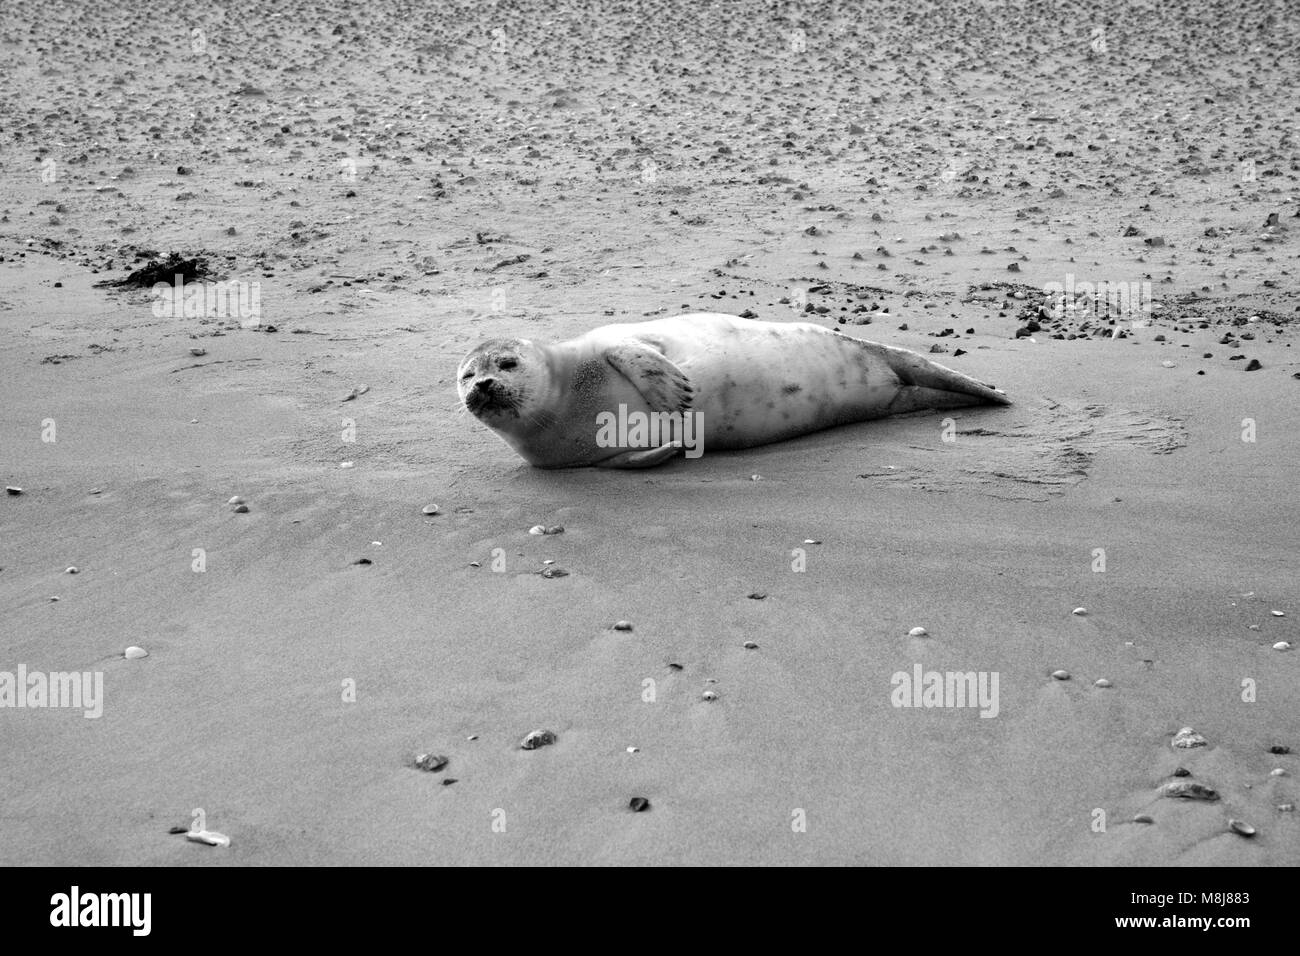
x=933, y=381
x=642, y=458
x=662, y=384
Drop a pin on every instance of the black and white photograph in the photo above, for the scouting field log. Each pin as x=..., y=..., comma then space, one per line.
x=650, y=433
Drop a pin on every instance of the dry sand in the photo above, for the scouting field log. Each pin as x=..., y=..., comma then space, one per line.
x=379, y=169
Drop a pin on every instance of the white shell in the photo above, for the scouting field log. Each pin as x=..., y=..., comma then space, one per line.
x=237, y=500
x=134, y=653
x=917, y=632
x=1061, y=675
x=537, y=529
x=1080, y=611
x=1102, y=682
x=429, y=509
x=1282, y=646
x=1187, y=738
x=210, y=837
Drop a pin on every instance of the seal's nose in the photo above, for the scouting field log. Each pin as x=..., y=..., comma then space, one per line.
x=484, y=384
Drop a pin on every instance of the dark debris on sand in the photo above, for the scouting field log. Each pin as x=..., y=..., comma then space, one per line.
x=157, y=270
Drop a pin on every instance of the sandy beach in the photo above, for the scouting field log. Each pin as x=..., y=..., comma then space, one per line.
x=392, y=183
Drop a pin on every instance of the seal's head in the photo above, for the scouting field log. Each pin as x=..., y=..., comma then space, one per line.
x=501, y=379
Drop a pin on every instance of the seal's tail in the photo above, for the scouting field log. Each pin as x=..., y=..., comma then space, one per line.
x=933, y=385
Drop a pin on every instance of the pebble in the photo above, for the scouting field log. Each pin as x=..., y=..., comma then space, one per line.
x=1187, y=738
x=1143, y=818
x=1188, y=790
x=1282, y=646
x=241, y=509
x=757, y=596
x=1168, y=364
x=709, y=695
x=237, y=500
x=13, y=490
x=1182, y=772
x=134, y=653
x=638, y=804
x=1279, y=749
x=1278, y=772
x=622, y=625
x=1081, y=611
x=1061, y=675
x=431, y=762
x=429, y=510
x=750, y=646
x=209, y=837
x=1102, y=682
x=538, y=738
x=71, y=571
x=1278, y=613
x=918, y=632
x=1239, y=826
x=553, y=573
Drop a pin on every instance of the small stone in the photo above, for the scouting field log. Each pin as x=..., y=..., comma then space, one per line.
x=1061, y=675
x=431, y=762
x=134, y=653
x=1187, y=738
x=1080, y=611
x=750, y=646
x=638, y=804
x=1102, y=682
x=1182, y=772
x=1282, y=646
x=918, y=632
x=1143, y=818
x=622, y=625
x=176, y=830
x=538, y=738
x=1168, y=364
x=71, y=571
x=237, y=500
x=1188, y=790
x=13, y=490
x=198, y=351
x=363, y=561
x=1239, y=826
x=1279, y=749
x=757, y=596
x=1278, y=613
x=448, y=781
x=553, y=573
x=1253, y=366
x=1278, y=772
x=241, y=509
x=709, y=695
x=429, y=510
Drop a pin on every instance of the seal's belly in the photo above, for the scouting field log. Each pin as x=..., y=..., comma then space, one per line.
x=764, y=381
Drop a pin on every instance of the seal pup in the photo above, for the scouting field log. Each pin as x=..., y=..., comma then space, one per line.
x=682, y=383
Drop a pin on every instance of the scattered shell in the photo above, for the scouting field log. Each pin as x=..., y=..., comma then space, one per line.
x=918, y=632
x=237, y=500
x=1061, y=675
x=709, y=695
x=13, y=490
x=758, y=596
x=1279, y=772
x=1279, y=749
x=633, y=750
x=429, y=510
x=553, y=573
x=538, y=738
x=1187, y=738
x=1239, y=826
x=638, y=804
x=1286, y=807
x=475, y=564
x=448, y=781
x=755, y=477
x=1282, y=646
x=1188, y=790
x=176, y=830
x=71, y=570
x=1102, y=682
x=1143, y=818
x=431, y=762
x=1081, y=611
x=1182, y=772
x=750, y=646
x=210, y=837
x=537, y=529
x=1278, y=613
x=134, y=653
x=543, y=529
x=622, y=625
x=811, y=541
x=241, y=509
x=345, y=464
x=198, y=351
x=363, y=561
x=1168, y=364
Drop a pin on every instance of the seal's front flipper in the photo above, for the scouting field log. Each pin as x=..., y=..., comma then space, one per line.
x=642, y=458
x=662, y=384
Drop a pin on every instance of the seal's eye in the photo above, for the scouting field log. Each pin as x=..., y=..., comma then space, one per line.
x=506, y=364
x=468, y=375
